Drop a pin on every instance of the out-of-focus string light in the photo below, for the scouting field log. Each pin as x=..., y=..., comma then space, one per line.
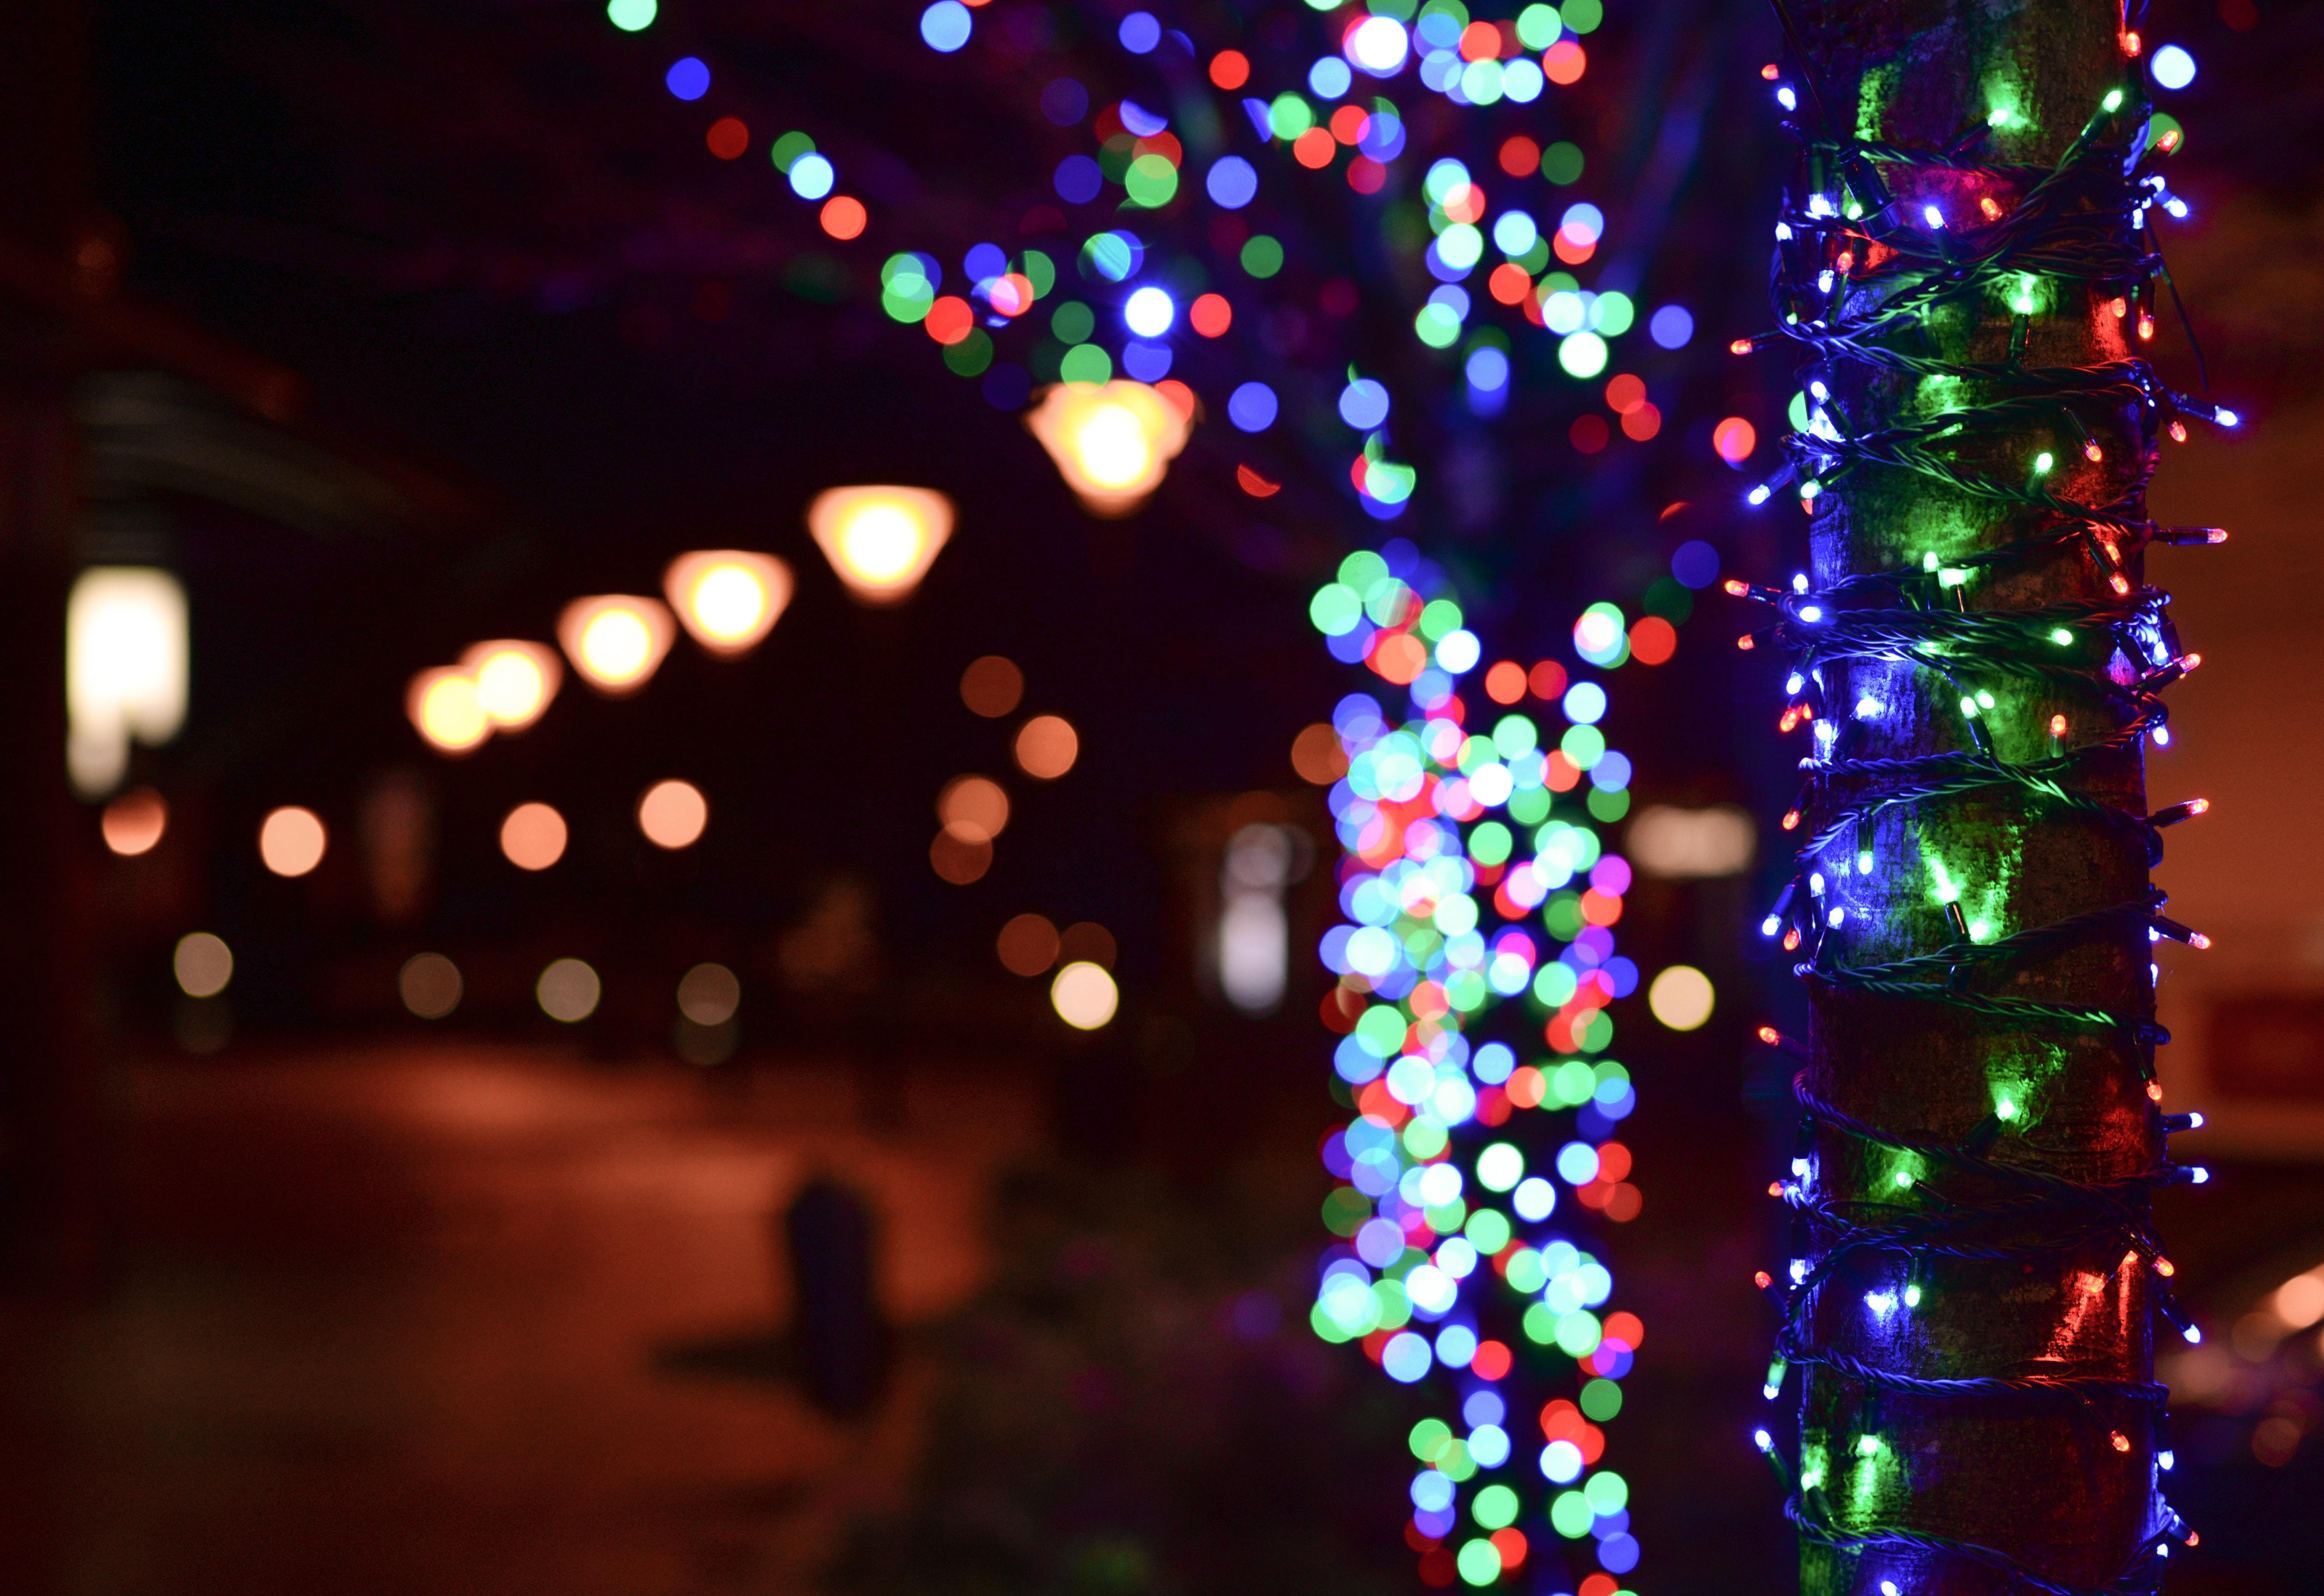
x=430, y=985
x=727, y=599
x=533, y=836
x=291, y=841
x=445, y=708
x=569, y=990
x=135, y=822
x=1475, y=880
x=515, y=681
x=1112, y=442
x=615, y=641
x=1084, y=995
x=673, y=814
x=1047, y=746
x=125, y=669
x=880, y=541
x=202, y=963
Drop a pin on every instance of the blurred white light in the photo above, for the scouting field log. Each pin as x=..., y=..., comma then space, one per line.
x=125, y=665
x=2173, y=67
x=1254, y=933
x=1084, y=995
x=1150, y=313
x=1378, y=45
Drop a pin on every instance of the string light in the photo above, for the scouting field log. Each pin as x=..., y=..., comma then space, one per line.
x=2074, y=224
x=880, y=541
x=1451, y=822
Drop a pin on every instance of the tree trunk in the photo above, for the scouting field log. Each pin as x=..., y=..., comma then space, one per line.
x=1973, y=1339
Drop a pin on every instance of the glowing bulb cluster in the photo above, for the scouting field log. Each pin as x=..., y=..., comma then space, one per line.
x=1473, y=882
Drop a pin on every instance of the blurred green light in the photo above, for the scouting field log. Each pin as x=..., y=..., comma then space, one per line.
x=1151, y=181
x=1335, y=609
x=1495, y=1508
x=1561, y=163
x=1085, y=362
x=1537, y=26
x=788, y=148
x=1582, y=355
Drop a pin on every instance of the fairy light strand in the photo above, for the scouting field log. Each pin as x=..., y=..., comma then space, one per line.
x=2080, y=223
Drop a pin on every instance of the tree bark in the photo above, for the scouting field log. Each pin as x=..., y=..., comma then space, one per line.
x=2059, y=1484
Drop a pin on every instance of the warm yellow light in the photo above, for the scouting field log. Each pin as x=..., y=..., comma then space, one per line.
x=1681, y=997
x=1111, y=442
x=616, y=640
x=125, y=669
x=1084, y=995
x=515, y=680
x=446, y=708
x=727, y=599
x=880, y=541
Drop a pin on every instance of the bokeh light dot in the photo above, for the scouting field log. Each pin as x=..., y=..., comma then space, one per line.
x=1047, y=747
x=567, y=990
x=1252, y=407
x=1084, y=995
x=946, y=25
x=812, y=176
x=291, y=841
x=1681, y=997
x=1233, y=182
x=2172, y=67
x=1149, y=312
x=1671, y=326
x=1140, y=32
x=134, y=822
x=202, y=963
x=430, y=985
x=673, y=814
x=1734, y=439
x=533, y=836
x=843, y=217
